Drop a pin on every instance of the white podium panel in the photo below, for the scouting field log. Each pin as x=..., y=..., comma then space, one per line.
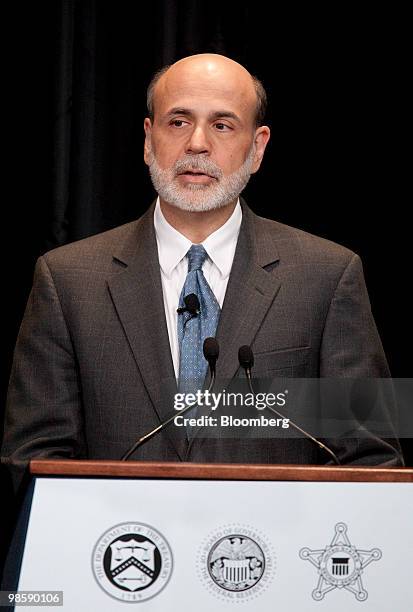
x=179, y=545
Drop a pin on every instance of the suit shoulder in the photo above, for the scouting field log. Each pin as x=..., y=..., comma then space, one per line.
x=312, y=248
x=95, y=251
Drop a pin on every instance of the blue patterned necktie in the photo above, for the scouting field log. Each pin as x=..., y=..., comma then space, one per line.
x=192, y=330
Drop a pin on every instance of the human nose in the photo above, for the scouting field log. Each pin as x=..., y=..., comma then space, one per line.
x=198, y=141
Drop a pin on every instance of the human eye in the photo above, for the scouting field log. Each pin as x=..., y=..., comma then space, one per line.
x=222, y=127
x=178, y=123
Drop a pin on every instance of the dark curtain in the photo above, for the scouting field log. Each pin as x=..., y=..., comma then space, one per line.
x=336, y=165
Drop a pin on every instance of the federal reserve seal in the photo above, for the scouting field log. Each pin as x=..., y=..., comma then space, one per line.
x=236, y=563
x=132, y=562
x=340, y=565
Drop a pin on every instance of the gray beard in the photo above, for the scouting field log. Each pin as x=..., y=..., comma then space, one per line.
x=196, y=197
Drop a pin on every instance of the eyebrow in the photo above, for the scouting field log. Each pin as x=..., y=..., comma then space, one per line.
x=219, y=114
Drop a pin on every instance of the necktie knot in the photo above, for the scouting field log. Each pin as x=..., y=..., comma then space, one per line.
x=196, y=257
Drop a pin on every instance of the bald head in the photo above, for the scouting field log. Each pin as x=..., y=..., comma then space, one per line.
x=213, y=72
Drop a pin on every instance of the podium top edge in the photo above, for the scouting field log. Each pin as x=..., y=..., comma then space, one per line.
x=209, y=471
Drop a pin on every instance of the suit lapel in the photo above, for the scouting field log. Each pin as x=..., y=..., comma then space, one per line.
x=138, y=299
x=250, y=292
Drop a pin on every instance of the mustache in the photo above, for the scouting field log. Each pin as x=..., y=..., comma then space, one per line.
x=199, y=163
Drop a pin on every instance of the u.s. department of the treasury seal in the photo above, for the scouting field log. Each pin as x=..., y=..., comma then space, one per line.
x=132, y=562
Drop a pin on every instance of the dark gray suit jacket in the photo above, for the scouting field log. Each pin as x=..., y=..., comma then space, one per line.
x=92, y=359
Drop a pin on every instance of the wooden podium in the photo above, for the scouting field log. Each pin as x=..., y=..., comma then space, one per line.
x=179, y=536
x=223, y=471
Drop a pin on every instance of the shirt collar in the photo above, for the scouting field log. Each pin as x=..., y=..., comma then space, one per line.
x=220, y=245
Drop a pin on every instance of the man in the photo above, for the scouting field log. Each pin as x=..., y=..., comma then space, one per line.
x=101, y=339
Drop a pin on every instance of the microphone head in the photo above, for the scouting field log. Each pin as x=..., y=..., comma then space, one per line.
x=211, y=350
x=246, y=357
x=192, y=303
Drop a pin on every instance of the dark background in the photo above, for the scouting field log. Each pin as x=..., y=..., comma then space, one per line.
x=336, y=165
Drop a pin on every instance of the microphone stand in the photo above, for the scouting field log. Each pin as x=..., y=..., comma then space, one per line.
x=297, y=427
x=162, y=425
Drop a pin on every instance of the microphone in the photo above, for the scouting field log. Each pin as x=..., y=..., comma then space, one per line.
x=246, y=361
x=192, y=305
x=211, y=352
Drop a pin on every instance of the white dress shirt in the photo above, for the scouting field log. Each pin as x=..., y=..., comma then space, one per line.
x=172, y=249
